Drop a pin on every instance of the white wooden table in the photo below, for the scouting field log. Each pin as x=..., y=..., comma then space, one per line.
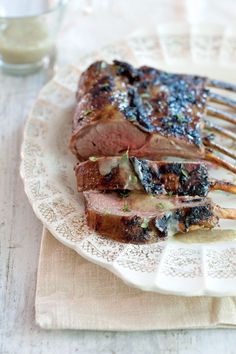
x=20, y=231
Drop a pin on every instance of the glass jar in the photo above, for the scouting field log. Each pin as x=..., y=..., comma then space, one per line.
x=28, y=34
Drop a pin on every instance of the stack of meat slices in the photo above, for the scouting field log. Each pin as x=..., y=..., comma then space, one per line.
x=126, y=122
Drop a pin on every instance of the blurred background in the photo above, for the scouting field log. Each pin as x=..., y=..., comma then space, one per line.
x=81, y=26
x=90, y=24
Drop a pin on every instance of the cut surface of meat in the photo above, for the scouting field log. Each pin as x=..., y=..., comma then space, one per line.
x=142, y=218
x=150, y=112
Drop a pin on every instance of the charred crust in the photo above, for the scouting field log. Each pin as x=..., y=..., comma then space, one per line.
x=177, y=178
x=194, y=216
x=162, y=224
x=173, y=99
x=196, y=183
x=133, y=230
x=171, y=127
x=103, y=87
x=148, y=177
x=127, y=70
x=193, y=179
x=172, y=168
x=137, y=110
x=156, y=101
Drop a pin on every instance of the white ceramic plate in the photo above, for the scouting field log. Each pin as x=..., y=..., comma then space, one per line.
x=204, y=266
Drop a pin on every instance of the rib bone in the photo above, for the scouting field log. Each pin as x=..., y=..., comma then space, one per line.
x=154, y=114
x=220, y=130
x=218, y=161
x=215, y=97
x=222, y=85
x=207, y=142
x=223, y=186
x=224, y=213
x=218, y=113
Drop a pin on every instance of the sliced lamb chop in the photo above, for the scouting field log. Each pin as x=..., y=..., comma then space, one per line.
x=150, y=112
x=155, y=177
x=142, y=218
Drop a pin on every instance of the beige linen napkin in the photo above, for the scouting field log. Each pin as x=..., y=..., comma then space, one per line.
x=74, y=293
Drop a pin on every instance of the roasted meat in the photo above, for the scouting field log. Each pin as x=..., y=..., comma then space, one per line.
x=150, y=112
x=153, y=177
x=143, y=218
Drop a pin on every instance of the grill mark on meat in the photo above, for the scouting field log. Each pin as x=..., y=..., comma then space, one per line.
x=153, y=113
x=149, y=178
x=182, y=219
x=174, y=103
x=133, y=231
x=127, y=70
x=176, y=178
x=163, y=224
x=192, y=216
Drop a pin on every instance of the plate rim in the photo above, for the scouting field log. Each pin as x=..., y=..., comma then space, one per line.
x=110, y=265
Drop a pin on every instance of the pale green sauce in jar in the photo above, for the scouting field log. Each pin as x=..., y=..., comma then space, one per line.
x=24, y=41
